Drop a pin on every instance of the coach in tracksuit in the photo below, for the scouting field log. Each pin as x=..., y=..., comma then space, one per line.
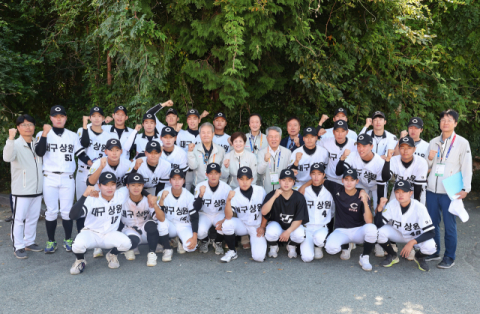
x=27, y=185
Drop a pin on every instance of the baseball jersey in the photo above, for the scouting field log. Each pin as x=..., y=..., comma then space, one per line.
x=222, y=140
x=178, y=210
x=96, y=148
x=213, y=202
x=127, y=138
x=61, y=151
x=369, y=173
x=136, y=215
x=416, y=173
x=319, y=155
x=160, y=175
x=350, y=135
x=119, y=171
x=102, y=215
x=421, y=148
x=334, y=154
x=383, y=143
x=249, y=211
x=177, y=158
x=414, y=222
x=319, y=206
x=184, y=138
x=286, y=211
x=141, y=142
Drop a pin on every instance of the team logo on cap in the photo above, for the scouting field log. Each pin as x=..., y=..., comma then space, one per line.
x=287, y=172
x=167, y=129
x=360, y=137
x=309, y=129
x=170, y=110
x=192, y=111
x=414, y=121
x=349, y=171
x=149, y=115
x=213, y=166
x=153, y=144
x=405, y=139
x=176, y=171
x=113, y=142
x=108, y=176
x=378, y=112
x=58, y=109
x=244, y=170
x=340, y=110
x=316, y=166
x=340, y=122
x=96, y=109
x=120, y=107
x=400, y=184
x=136, y=178
x=220, y=114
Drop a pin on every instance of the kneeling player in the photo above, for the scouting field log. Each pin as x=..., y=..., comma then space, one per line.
x=285, y=210
x=181, y=217
x=246, y=200
x=405, y=220
x=320, y=206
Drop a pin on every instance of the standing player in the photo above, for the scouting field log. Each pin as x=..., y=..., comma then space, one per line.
x=171, y=152
x=210, y=199
x=59, y=147
x=286, y=211
x=415, y=128
x=383, y=141
x=405, y=220
x=221, y=138
x=171, y=116
x=339, y=115
x=149, y=134
x=303, y=157
x=246, y=201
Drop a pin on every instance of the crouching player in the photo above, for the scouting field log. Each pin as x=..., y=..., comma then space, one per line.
x=405, y=220
x=246, y=200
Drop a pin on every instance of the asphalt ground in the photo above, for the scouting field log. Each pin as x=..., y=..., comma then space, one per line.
x=199, y=283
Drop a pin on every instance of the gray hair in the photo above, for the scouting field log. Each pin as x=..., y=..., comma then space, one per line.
x=206, y=124
x=274, y=128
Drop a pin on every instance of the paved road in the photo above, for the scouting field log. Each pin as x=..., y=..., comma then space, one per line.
x=200, y=283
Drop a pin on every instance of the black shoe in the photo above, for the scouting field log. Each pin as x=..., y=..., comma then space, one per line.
x=9, y=219
x=447, y=262
x=422, y=264
x=433, y=257
x=389, y=261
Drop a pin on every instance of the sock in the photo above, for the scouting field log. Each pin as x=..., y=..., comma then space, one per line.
x=114, y=251
x=152, y=235
x=135, y=241
x=204, y=240
x=367, y=248
x=67, y=227
x=219, y=237
x=230, y=239
x=80, y=255
x=388, y=248
x=345, y=246
x=80, y=224
x=51, y=226
x=165, y=242
x=272, y=243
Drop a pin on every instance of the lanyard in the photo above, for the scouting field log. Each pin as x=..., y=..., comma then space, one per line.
x=253, y=146
x=448, y=152
x=205, y=158
x=278, y=160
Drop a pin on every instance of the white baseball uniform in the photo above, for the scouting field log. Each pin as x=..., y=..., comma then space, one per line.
x=152, y=178
x=381, y=144
x=141, y=142
x=127, y=139
x=335, y=151
x=184, y=138
x=416, y=173
x=120, y=170
x=421, y=149
x=351, y=135
x=320, y=155
x=222, y=140
x=177, y=158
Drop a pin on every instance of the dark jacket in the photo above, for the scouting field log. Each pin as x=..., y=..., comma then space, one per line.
x=284, y=142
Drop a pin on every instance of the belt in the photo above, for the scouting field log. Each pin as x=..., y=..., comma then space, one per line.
x=57, y=172
x=87, y=167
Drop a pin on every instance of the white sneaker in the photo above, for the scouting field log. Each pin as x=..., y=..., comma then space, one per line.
x=218, y=248
x=159, y=248
x=395, y=248
x=411, y=256
x=130, y=255
x=345, y=254
x=292, y=251
x=203, y=246
x=136, y=251
x=273, y=251
x=97, y=252
x=318, y=253
x=364, y=261
x=112, y=260
x=180, y=248
x=352, y=246
x=167, y=255
x=151, y=259
x=379, y=252
x=78, y=266
x=231, y=254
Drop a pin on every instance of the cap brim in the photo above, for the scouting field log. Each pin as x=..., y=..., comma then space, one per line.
x=415, y=125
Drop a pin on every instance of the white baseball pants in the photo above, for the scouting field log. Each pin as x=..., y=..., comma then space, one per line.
x=206, y=221
x=387, y=233
x=314, y=235
x=358, y=235
x=81, y=180
x=58, y=187
x=26, y=211
x=258, y=244
x=88, y=239
x=182, y=230
x=274, y=230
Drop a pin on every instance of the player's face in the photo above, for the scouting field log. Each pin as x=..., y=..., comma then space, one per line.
x=108, y=189
x=58, y=121
x=340, y=116
x=97, y=119
x=349, y=183
x=238, y=144
x=414, y=132
x=254, y=124
x=135, y=189
x=293, y=128
x=177, y=182
x=287, y=184
x=406, y=151
x=273, y=139
x=220, y=124
x=120, y=117
x=213, y=177
x=402, y=196
x=317, y=177
x=153, y=157
x=206, y=134
x=447, y=123
x=310, y=141
x=192, y=121
x=364, y=150
x=340, y=135
x=379, y=123
x=244, y=183
x=168, y=141
x=149, y=126
x=171, y=120
x=114, y=154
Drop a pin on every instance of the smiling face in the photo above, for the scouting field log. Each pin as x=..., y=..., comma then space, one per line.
x=364, y=150
x=293, y=128
x=206, y=134
x=58, y=121
x=273, y=139
x=193, y=121
x=447, y=124
x=97, y=119
x=135, y=189
x=108, y=189
x=26, y=128
x=120, y=117
x=254, y=123
x=220, y=124
x=238, y=144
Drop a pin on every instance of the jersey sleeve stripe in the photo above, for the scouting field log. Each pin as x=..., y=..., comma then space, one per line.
x=192, y=211
x=185, y=169
x=385, y=220
x=85, y=210
x=78, y=152
x=427, y=228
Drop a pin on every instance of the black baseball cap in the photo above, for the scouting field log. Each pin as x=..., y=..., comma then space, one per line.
x=340, y=125
x=310, y=130
x=364, y=139
x=220, y=115
x=113, y=142
x=416, y=121
x=148, y=116
x=168, y=131
x=214, y=166
x=57, y=109
x=340, y=110
x=403, y=185
x=177, y=172
x=287, y=173
x=350, y=173
x=244, y=171
x=378, y=114
x=194, y=112
x=120, y=108
x=153, y=145
x=317, y=166
x=171, y=111
x=106, y=177
x=96, y=109
x=135, y=178
x=407, y=140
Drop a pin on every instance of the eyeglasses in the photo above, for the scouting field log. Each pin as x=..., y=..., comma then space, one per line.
x=27, y=125
x=447, y=120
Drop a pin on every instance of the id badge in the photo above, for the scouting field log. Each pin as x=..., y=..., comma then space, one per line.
x=274, y=178
x=440, y=170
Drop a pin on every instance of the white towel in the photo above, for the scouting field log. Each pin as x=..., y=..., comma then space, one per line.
x=456, y=208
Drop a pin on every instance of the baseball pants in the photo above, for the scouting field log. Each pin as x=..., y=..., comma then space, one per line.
x=88, y=239
x=81, y=180
x=206, y=221
x=26, y=211
x=358, y=235
x=58, y=187
x=314, y=235
x=235, y=226
x=182, y=230
x=274, y=230
x=388, y=233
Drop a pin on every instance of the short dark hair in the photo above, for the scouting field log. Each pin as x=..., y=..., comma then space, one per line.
x=253, y=115
x=238, y=134
x=449, y=112
x=24, y=117
x=293, y=118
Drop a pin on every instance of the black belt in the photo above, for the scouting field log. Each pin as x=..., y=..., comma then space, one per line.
x=57, y=172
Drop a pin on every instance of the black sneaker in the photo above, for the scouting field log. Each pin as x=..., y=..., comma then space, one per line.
x=9, y=219
x=447, y=262
x=433, y=257
x=21, y=254
x=390, y=260
x=422, y=263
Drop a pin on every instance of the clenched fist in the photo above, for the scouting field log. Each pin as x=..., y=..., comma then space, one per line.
x=202, y=191
x=403, y=133
x=231, y=194
x=168, y=103
x=368, y=122
x=323, y=119
x=108, y=119
x=46, y=129
x=298, y=156
x=345, y=154
x=432, y=154
x=138, y=163
x=12, y=133
x=103, y=162
x=164, y=195
x=226, y=162
x=138, y=127
x=191, y=146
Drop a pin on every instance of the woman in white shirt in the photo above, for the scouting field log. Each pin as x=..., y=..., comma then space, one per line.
x=236, y=158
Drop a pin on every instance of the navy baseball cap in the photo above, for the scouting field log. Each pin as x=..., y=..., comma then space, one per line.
x=364, y=139
x=287, y=173
x=171, y=111
x=378, y=114
x=416, y=121
x=135, y=178
x=168, y=131
x=214, y=166
x=153, y=145
x=403, y=185
x=57, y=109
x=244, y=171
x=96, y=109
x=148, y=116
x=407, y=140
x=106, y=177
x=340, y=125
x=220, y=115
x=310, y=130
x=122, y=108
x=317, y=166
x=177, y=172
x=350, y=173
x=113, y=142
x=194, y=112
x=340, y=110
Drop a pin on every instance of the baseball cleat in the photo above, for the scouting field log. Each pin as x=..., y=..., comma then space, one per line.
x=273, y=251
x=67, y=245
x=97, y=252
x=379, y=252
x=78, y=267
x=130, y=255
x=203, y=246
x=292, y=251
x=345, y=254
x=230, y=255
x=422, y=264
x=34, y=248
x=151, y=259
x=389, y=261
x=318, y=254
x=411, y=256
x=167, y=255
x=20, y=254
x=112, y=260
x=51, y=247
x=364, y=261
x=218, y=248
x=159, y=248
